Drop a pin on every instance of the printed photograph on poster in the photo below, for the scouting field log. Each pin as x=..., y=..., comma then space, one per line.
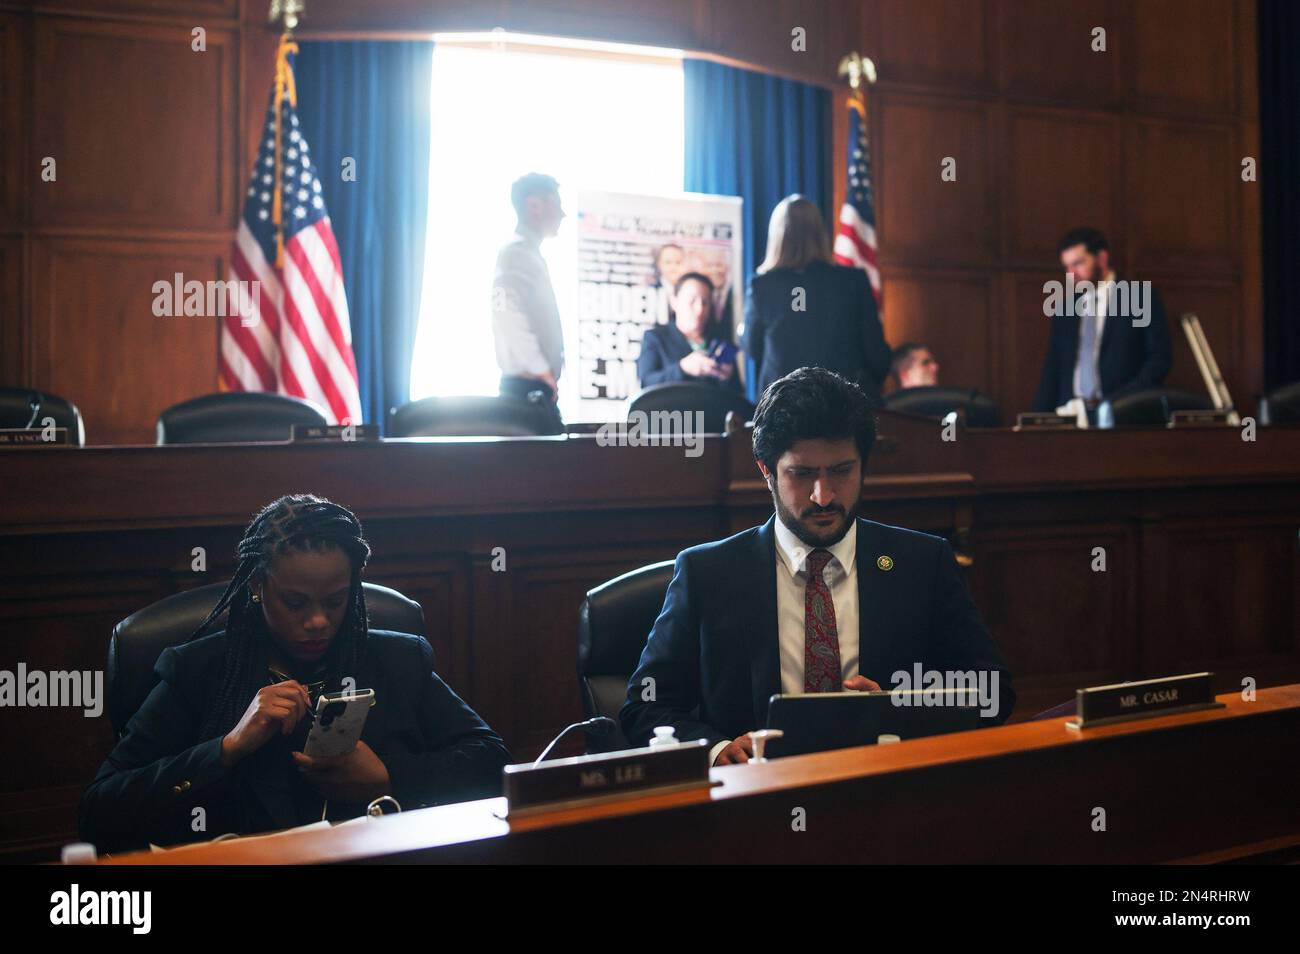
x=632, y=251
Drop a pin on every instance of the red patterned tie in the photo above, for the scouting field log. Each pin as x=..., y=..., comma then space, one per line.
x=821, y=637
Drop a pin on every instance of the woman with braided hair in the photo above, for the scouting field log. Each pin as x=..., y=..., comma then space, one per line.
x=217, y=746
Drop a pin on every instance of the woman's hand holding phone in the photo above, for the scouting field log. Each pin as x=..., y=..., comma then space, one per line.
x=276, y=709
x=358, y=776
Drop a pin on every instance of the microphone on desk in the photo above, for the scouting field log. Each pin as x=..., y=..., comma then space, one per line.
x=34, y=402
x=599, y=727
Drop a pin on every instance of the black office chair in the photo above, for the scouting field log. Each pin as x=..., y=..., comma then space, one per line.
x=687, y=398
x=1281, y=405
x=236, y=417
x=1151, y=407
x=19, y=406
x=474, y=416
x=977, y=410
x=139, y=640
x=614, y=623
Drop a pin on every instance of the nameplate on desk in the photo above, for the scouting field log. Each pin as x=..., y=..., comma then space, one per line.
x=1036, y=421
x=1218, y=417
x=335, y=433
x=1102, y=705
x=34, y=437
x=587, y=778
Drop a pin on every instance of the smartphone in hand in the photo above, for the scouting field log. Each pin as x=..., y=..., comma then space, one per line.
x=723, y=352
x=339, y=719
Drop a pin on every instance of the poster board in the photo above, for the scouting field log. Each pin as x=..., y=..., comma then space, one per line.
x=631, y=249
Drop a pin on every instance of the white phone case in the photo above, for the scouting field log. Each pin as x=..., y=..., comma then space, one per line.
x=338, y=734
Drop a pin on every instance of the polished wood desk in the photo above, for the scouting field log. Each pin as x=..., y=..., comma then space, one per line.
x=1206, y=786
x=1198, y=527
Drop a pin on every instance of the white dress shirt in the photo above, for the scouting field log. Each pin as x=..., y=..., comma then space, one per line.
x=841, y=579
x=1099, y=305
x=525, y=317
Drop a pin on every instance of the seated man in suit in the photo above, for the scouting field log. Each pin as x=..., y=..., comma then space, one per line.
x=1105, y=344
x=815, y=600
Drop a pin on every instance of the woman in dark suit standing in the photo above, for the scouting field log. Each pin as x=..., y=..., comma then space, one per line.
x=693, y=346
x=217, y=745
x=802, y=310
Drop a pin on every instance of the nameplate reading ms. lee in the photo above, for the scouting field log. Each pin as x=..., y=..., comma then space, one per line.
x=592, y=777
x=1100, y=705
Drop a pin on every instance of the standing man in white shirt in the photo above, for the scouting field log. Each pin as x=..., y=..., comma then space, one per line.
x=525, y=317
x=815, y=600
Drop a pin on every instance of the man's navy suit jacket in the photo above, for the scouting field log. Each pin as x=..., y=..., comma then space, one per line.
x=1129, y=359
x=713, y=652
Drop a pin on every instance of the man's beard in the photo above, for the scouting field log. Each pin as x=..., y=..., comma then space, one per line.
x=827, y=538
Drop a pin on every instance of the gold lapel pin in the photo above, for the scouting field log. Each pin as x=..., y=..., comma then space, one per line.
x=885, y=562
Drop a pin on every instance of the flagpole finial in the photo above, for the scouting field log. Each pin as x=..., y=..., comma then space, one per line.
x=286, y=13
x=857, y=68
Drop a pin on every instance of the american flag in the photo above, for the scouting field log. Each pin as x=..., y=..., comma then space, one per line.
x=296, y=338
x=855, y=237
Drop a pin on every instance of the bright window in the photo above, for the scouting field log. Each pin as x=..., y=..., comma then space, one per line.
x=592, y=118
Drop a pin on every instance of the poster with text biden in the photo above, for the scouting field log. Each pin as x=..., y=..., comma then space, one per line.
x=645, y=261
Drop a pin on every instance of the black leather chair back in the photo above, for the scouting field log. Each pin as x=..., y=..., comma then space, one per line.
x=236, y=417
x=472, y=416
x=614, y=623
x=1151, y=407
x=16, y=405
x=1281, y=405
x=686, y=397
x=977, y=410
x=139, y=639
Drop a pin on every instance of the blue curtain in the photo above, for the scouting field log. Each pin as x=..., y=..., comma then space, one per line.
x=369, y=100
x=758, y=137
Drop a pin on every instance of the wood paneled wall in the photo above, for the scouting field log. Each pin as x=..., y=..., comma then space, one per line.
x=153, y=141
x=1144, y=141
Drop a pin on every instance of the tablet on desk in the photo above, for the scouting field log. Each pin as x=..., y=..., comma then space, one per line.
x=817, y=721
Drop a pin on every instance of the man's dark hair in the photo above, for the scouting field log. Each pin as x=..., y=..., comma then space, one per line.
x=535, y=183
x=693, y=277
x=1086, y=236
x=811, y=404
x=902, y=354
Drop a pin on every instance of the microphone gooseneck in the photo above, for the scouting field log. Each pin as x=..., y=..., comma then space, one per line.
x=600, y=726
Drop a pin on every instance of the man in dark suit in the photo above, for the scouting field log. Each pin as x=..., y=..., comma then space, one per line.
x=814, y=600
x=1102, y=345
